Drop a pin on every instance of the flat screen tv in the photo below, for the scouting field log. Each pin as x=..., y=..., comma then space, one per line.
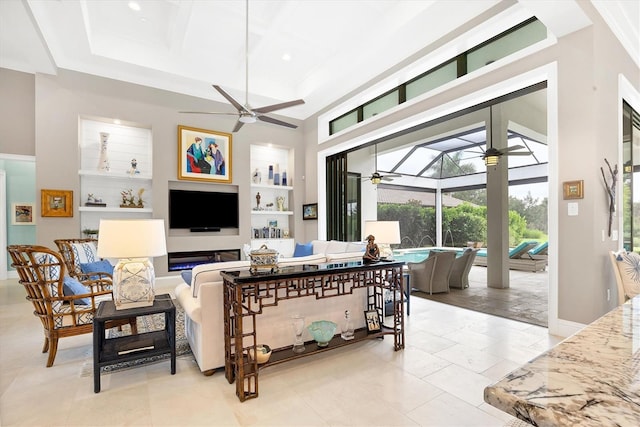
x=203, y=210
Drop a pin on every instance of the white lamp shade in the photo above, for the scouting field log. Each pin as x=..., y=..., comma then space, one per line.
x=131, y=238
x=384, y=231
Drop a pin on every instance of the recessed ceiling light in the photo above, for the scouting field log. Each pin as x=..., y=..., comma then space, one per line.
x=286, y=57
x=134, y=5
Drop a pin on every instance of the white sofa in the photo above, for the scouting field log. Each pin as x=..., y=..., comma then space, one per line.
x=202, y=301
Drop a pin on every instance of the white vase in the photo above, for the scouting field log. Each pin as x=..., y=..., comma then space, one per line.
x=103, y=163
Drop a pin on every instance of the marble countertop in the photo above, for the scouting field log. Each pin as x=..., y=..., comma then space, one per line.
x=590, y=379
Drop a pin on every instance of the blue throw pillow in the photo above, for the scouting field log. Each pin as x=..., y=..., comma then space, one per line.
x=303, y=249
x=103, y=266
x=186, y=276
x=71, y=286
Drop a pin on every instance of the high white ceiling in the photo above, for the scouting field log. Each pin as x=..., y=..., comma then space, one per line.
x=186, y=45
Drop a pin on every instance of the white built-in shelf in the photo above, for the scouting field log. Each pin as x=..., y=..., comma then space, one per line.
x=272, y=212
x=272, y=187
x=118, y=175
x=114, y=209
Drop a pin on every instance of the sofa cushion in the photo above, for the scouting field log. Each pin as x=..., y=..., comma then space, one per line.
x=319, y=246
x=629, y=267
x=309, y=259
x=303, y=249
x=336, y=247
x=344, y=257
x=211, y=272
x=356, y=247
x=186, y=276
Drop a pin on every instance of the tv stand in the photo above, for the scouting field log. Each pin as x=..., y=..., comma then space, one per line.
x=204, y=229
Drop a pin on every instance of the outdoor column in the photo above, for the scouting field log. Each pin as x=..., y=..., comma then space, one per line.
x=497, y=204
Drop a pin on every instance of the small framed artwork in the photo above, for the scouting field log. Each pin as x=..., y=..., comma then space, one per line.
x=573, y=189
x=310, y=211
x=56, y=203
x=204, y=155
x=373, y=321
x=22, y=214
x=273, y=223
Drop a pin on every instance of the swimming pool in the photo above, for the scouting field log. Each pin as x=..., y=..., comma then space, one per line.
x=420, y=254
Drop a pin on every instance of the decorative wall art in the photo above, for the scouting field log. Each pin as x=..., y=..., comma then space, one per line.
x=56, y=203
x=204, y=155
x=573, y=190
x=22, y=214
x=310, y=211
x=611, y=190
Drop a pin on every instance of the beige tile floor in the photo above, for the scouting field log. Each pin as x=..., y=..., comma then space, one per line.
x=451, y=354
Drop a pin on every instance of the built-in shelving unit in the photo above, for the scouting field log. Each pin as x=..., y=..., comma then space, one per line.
x=269, y=225
x=129, y=156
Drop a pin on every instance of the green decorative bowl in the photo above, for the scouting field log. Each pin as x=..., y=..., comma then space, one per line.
x=322, y=331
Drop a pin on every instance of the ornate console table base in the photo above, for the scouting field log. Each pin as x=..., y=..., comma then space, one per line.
x=247, y=295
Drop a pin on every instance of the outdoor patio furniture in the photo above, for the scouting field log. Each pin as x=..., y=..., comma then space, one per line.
x=459, y=277
x=518, y=258
x=421, y=273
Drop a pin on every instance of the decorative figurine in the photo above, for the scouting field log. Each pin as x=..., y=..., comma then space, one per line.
x=257, y=176
x=371, y=252
x=140, y=203
x=134, y=167
x=280, y=201
x=258, y=201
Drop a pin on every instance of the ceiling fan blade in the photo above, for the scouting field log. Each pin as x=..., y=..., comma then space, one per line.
x=387, y=178
x=280, y=106
x=208, y=112
x=276, y=121
x=393, y=175
x=519, y=153
x=512, y=148
x=229, y=98
x=239, y=124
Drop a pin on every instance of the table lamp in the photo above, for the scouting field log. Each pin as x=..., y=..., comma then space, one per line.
x=133, y=242
x=386, y=233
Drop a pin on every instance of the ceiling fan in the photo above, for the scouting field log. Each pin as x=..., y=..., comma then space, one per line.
x=245, y=113
x=376, y=177
x=492, y=155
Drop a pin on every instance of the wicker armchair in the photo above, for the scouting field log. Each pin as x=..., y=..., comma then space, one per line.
x=41, y=271
x=77, y=251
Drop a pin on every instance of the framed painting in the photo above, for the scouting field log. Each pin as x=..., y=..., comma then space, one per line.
x=204, y=155
x=310, y=211
x=56, y=203
x=22, y=214
x=573, y=190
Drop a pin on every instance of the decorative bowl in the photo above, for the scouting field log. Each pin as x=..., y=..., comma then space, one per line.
x=263, y=351
x=322, y=331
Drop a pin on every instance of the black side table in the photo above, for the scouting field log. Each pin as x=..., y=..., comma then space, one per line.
x=132, y=347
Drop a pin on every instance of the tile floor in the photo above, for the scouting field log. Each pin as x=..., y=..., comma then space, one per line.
x=451, y=354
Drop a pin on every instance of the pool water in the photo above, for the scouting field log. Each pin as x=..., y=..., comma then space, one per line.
x=416, y=255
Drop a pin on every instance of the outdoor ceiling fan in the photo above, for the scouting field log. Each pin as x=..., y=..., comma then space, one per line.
x=492, y=155
x=245, y=113
x=376, y=177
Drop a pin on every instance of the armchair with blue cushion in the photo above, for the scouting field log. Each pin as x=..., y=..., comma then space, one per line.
x=64, y=304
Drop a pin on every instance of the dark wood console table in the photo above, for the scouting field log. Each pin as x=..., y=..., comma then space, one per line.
x=247, y=294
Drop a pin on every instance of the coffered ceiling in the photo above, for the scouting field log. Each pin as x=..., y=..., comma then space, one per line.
x=317, y=50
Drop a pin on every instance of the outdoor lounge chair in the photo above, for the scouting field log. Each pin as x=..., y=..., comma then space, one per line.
x=432, y=274
x=459, y=277
x=539, y=252
x=518, y=258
